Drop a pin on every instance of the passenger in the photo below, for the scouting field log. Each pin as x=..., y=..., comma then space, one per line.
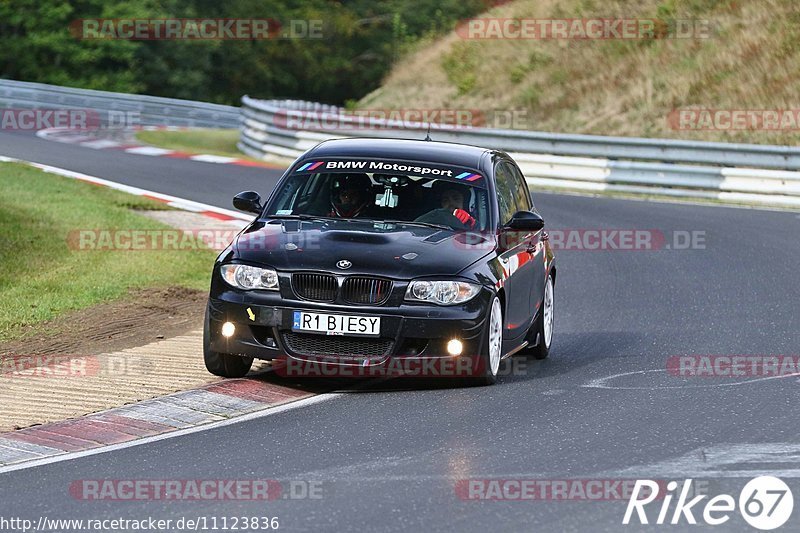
x=452, y=197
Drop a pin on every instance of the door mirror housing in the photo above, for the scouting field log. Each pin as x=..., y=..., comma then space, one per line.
x=525, y=221
x=249, y=202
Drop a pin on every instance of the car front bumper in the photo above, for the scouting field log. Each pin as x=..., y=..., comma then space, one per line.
x=263, y=330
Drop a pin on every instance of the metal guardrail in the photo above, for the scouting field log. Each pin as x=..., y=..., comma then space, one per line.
x=264, y=113
x=739, y=172
x=151, y=110
x=747, y=173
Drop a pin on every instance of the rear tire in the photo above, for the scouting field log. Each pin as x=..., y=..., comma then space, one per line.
x=545, y=322
x=223, y=364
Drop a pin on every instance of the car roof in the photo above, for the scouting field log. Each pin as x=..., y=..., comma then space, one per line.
x=463, y=155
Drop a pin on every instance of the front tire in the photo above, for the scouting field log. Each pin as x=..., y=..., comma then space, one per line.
x=488, y=360
x=545, y=322
x=222, y=364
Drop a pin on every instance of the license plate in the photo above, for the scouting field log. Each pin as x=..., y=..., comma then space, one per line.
x=326, y=324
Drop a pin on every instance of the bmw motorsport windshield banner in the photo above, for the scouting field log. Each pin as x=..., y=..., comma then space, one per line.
x=391, y=167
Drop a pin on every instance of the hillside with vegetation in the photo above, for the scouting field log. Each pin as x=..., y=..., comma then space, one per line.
x=749, y=60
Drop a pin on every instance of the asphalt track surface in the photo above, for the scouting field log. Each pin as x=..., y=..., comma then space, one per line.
x=388, y=456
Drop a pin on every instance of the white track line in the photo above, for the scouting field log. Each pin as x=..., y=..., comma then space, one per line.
x=207, y=158
x=100, y=143
x=601, y=383
x=149, y=150
x=174, y=201
x=268, y=411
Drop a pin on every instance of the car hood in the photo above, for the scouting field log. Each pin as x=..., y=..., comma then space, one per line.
x=394, y=250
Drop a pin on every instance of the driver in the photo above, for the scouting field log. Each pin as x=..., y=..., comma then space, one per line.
x=349, y=195
x=452, y=198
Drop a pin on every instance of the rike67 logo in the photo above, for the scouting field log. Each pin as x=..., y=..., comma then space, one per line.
x=765, y=503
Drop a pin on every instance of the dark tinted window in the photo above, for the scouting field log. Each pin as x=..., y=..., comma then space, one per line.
x=521, y=193
x=504, y=183
x=377, y=196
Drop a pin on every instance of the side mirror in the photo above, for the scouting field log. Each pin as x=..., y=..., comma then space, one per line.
x=526, y=221
x=249, y=202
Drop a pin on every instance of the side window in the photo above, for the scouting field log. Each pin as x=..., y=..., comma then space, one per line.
x=504, y=184
x=521, y=191
x=305, y=199
x=288, y=193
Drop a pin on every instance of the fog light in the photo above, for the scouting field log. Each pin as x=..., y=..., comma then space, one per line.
x=228, y=329
x=454, y=347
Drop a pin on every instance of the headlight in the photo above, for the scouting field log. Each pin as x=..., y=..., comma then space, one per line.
x=249, y=277
x=442, y=292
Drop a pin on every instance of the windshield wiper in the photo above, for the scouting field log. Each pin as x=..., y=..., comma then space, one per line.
x=413, y=223
x=298, y=217
x=358, y=219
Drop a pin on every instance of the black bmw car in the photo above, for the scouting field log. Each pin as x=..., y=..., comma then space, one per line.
x=373, y=252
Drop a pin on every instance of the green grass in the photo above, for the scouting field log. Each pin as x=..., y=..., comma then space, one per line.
x=198, y=140
x=42, y=276
x=459, y=65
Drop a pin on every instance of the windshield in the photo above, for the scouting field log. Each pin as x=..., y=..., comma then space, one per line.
x=399, y=198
